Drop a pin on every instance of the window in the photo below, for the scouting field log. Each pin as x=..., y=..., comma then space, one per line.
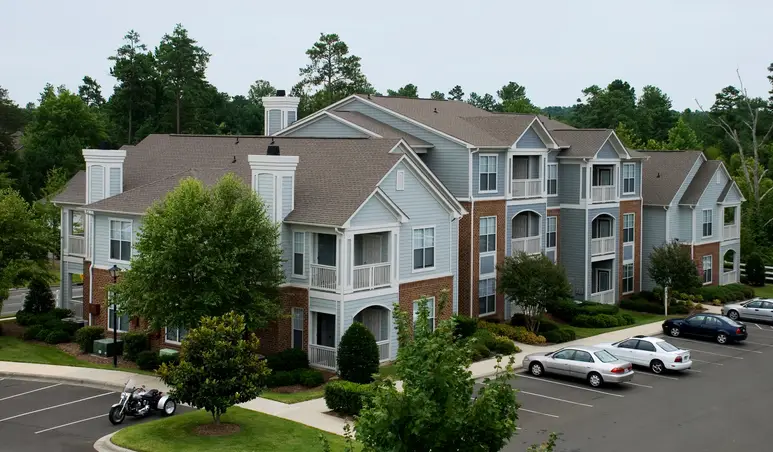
x=123, y=320
x=629, y=178
x=708, y=219
x=729, y=215
x=120, y=240
x=605, y=357
x=754, y=304
x=564, y=354
x=76, y=223
x=552, y=238
x=488, y=173
x=299, y=251
x=767, y=305
x=400, y=181
x=430, y=306
x=696, y=320
x=488, y=234
x=628, y=221
x=582, y=356
x=175, y=335
x=487, y=296
x=297, y=337
x=628, y=343
x=552, y=178
x=423, y=248
x=706, y=261
x=713, y=322
x=627, y=278
x=601, y=227
x=646, y=346
x=666, y=346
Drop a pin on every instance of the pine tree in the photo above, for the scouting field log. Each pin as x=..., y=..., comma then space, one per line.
x=39, y=299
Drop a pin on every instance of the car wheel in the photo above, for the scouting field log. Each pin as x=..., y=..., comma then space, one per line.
x=657, y=367
x=675, y=331
x=722, y=338
x=733, y=315
x=595, y=380
x=536, y=369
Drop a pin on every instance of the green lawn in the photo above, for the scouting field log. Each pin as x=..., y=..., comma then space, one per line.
x=764, y=292
x=258, y=432
x=641, y=319
x=295, y=397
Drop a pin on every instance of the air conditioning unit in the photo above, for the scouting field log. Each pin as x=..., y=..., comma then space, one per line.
x=107, y=348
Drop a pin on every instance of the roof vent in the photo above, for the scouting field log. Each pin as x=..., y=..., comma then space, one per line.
x=658, y=176
x=280, y=93
x=435, y=110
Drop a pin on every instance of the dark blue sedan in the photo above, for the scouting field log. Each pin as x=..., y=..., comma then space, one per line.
x=706, y=326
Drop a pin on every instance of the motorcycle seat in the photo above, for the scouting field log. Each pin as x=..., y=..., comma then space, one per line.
x=153, y=393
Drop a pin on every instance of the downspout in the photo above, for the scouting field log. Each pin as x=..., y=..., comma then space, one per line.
x=342, y=266
x=587, y=291
x=472, y=230
x=91, y=264
x=692, y=238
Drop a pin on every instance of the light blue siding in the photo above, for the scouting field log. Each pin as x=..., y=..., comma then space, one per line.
x=352, y=308
x=76, y=268
x=288, y=250
x=501, y=163
x=102, y=239
x=448, y=160
x=326, y=128
x=287, y=196
x=709, y=201
x=97, y=182
x=274, y=121
x=373, y=213
x=266, y=191
x=115, y=181
x=455, y=263
x=530, y=140
x=554, y=201
x=512, y=211
x=569, y=182
x=653, y=236
x=636, y=180
x=682, y=219
x=607, y=151
x=573, y=249
x=733, y=196
x=424, y=210
x=736, y=260
x=584, y=184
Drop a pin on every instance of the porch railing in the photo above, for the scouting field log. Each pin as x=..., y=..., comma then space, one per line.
x=526, y=188
x=324, y=277
x=729, y=277
x=322, y=356
x=602, y=245
x=372, y=276
x=76, y=306
x=383, y=350
x=76, y=245
x=603, y=193
x=528, y=245
x=606, y=297
x=731, y=231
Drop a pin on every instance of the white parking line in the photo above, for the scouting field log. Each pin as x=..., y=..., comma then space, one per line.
x=718, y=354
x=567, y=385
x=707, y=362
x=537, y=412
x=657, y=376
x=554, y=398
x=758, y=343
x=693, y=370
x=55, y=406
x=30, y=392
x=758, y=326
x=70, y=423
x=637, y=384
x=715, y=354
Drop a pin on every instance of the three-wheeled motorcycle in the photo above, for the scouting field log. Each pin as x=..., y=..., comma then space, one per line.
x=138, y=402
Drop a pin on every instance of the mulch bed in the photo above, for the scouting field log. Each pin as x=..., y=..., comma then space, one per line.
x=10, y=328
x=71, y=348
x=346, y=417
x=216, y=430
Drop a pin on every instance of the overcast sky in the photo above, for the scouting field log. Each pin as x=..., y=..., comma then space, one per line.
x=689, y=48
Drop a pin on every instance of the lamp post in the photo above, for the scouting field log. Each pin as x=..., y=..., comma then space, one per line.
x=114, y=270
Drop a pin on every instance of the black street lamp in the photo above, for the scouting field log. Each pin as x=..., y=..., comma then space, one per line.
x=114, y=270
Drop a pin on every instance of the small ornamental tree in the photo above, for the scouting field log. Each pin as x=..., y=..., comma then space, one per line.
x=671, y=267
x=533, y=281
x=39, y=299
x=218, y=367
x=358, y=354
x=755, y=270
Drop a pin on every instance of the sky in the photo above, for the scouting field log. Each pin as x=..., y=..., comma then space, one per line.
x=689, y=48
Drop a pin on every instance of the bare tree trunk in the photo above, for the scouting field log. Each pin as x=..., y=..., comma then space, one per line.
x=216, y=417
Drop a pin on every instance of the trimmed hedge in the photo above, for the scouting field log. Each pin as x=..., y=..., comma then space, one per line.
x=518, y=334
x=31, y=332
x=310, y=378
x=134, y=343
x=564, y=310
x=591, y=308
x=486, y=338
x=504, y=346
x=43, y=333
x=307, y=377
x=61, y=313
x=57, y=337
x=25, y=318
x=479, y=351
x=358, y=355
x=545, y=324
x=560, y=335
x=464, y=326
x=288, y=360
x=727, y=294
x=346, y=397
x=641, y=305
x=86, y=336
x=171, y=360
x=148, y=360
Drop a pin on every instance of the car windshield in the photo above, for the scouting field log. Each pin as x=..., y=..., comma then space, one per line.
x=604, y=356
x=667, y=347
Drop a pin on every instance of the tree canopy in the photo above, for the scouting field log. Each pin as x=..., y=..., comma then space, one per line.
x=672, y=267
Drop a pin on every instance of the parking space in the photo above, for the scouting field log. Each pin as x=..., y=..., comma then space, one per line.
x=37, y=416
x=723, y=402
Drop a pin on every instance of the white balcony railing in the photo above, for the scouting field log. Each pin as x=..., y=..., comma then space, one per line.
x=526, y=188
x=603, y=193
x=528, y=245
x=372, y=276
x=383, y=350
x=730, y=277
x=76, y=245
x=322, y=356
x=731, y=231
x=606, y=297
x=324, y=277
x=602, y=245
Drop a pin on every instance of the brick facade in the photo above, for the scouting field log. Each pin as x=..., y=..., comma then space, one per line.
x=413, y=291
x=633, y=207
x=481, y=209
x=556, y=213
x=278, y=335
x=704, y=250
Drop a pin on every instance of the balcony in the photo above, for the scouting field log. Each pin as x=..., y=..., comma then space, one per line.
x=76, y=245
x=372, y=276
x=731, y=231
x=324, y=277
x=526, y=188
x=322, y=356
x=606, y=297
x=528, y=245
x=728, y=277
x=602, y=245
x=603, y=193
x=526, y=177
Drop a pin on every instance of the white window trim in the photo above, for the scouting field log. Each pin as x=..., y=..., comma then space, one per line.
x=486, y=314
x=703, y=222
x=598, y=274
x=430, y=304
x=169, y=341
x=110, y=239
x=547, y=233
x=547, y=180
x=292, y=264
x=110, y=306
x=82, y=223
x=633, y=215
x=483, y=254
x=496, y=172
x=633, y=279
x=292, y=325
x=633, y=177
x=711, y=269
x=434, y=246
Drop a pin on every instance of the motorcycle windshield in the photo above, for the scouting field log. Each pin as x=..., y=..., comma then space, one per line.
x=129, y=386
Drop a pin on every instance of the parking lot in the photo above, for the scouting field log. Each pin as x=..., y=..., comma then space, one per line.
x=724, y=403
x=40, y=416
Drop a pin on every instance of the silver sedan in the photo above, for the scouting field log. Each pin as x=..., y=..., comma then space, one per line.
x=757, y=309
x=592, y=364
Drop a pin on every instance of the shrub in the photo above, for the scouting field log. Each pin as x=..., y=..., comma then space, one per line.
x=57, y=337
x=641, y=305
x=347, y=397
x=287, y=360
x=596, y=321
x=169, y=359
x=54, y=324
x=464, y=326
x=717, y=302
x=31, y=332
x=358, y=354
x=39, y=299
x=28, y=318
x=61, y=313
x=591, y=308
x=699, y=307
x=518, y=320
x=71, y=327
x=282, y=378
x=649, y=296
x=479, y=351
x=503, y=346
x=563, y=309
x=755, y=270
x=748, y=292
x=310, y=378
x=86, y=336
x=23, y=318
x=134, y=343
x=626, y=319
x=546, y=325
x=486, y=338
x=42, y=334
x=148, y=360
x=560, y=335
x=518, y=334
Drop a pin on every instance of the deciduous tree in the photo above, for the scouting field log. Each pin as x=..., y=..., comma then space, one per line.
x=606, y=107
x=654, y=117
x=671, y=267
x=681, y=138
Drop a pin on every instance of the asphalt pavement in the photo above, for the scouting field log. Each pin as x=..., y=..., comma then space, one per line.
x=16, y=300
x=722, y=404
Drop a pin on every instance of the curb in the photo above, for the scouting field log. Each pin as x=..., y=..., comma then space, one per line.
x=64, y=379
x=105, y=444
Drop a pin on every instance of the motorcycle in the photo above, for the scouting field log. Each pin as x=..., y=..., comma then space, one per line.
x=138, y=402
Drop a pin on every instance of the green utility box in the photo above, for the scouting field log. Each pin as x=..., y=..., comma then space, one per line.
x=106, y=347
x=167, y=352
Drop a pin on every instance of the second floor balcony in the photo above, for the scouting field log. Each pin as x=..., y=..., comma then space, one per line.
x=527, y=177
x=731, y=223
x=602, y=236
x=603, y=188
x=370, y=257
x=527, y=234
x=76, y=245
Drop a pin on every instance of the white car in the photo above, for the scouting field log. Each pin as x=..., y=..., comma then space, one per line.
x=651, y=352
x=756, y=309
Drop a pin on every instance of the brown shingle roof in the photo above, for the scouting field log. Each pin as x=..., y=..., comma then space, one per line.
x=582, y=142
x=664, y=172
x=159, y=162
x=378, y=127
x=75, y=190
x=698, y=185
x=725, y=191
x=505, y=128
